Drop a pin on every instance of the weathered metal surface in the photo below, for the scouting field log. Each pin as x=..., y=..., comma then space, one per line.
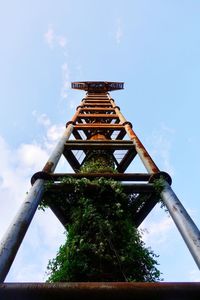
x=97, y=86
x=97, y=104
x=143, y=212
x=129, y=188
x=101, y=116
x=126, y=160
x=72, y=160
x=99, y=125
x=115, y=176
x=183, y=221
x=97, y=137
x=104, y=145
x=99, y=109
x=100, y=290
x=95, y=112
x=142, y=152
x=17, y=230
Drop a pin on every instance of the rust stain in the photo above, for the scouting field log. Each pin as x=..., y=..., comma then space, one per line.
x=98, y=136
x=48, y=167
x=146, y=156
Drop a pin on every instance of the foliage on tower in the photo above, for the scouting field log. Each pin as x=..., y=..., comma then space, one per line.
x=102, y=243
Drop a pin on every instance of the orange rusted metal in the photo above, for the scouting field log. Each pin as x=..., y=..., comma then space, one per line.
x=98, y=126
x=97, y=86
x=100, y=290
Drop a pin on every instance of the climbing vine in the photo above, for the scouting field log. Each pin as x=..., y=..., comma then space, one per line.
x=102, y=243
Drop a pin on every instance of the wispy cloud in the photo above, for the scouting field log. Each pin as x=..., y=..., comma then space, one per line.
x=49, y=37
x=119, y=31
x=157, y=231
x=41, y=118
x=52, y=131
x=160, y=143
x=62, y=41
x=65, y=80
x=53, y=39
x=194, y=275
x=45, y=233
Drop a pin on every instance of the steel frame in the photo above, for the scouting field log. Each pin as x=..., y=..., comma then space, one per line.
x=98, y=124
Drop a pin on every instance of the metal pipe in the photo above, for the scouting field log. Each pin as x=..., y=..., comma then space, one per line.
x=101, y=290
x=139, y=147
x=183, y=221
x=17, y=230
x=15, y=233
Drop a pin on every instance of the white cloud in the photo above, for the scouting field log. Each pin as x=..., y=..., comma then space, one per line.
x=194, y=275
x=65, y=80
x=32, y=156
x=42, y=119
x=45, y=233
x=157, y=231
x=52, y=131
x=53, y=39
x=160, y=144
x=119, y=32
x=56, y=40
x=49, y=37
x=62, y=41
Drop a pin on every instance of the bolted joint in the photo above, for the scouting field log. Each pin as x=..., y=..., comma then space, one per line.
x=40, y=175
x=160, y=175
x=70, y=122
x=128, y=123
x=116, y=107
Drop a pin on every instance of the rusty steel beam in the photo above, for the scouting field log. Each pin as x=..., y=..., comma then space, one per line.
x=104, y=145
x=72, y=160
x=101, y=116
x=97, y=109
x=97, y=104
x=142, y=152
x=145, y=210
x=101, y=138
x=115, y=176
x=101, y=290
x=98, y=126
x=183, y=221
x=126, y=160
x=143, y=188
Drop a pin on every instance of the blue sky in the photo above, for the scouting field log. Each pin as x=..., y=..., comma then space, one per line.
x=154, y=47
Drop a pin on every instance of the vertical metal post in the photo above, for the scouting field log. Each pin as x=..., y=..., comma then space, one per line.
x=183, y=221
x=17, y=230
x=181, y=218
x=139, y=147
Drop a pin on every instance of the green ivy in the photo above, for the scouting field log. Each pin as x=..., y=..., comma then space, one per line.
x=102, y=243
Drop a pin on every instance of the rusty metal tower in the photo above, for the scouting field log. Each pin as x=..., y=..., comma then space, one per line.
x=99, y=125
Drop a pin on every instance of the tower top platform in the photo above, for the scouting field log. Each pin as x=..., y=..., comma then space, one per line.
x=97, y=86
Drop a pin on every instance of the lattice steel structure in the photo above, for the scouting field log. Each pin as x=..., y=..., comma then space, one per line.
x=98, y=125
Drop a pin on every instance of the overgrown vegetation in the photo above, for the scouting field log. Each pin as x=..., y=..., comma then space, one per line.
x=102, y=243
